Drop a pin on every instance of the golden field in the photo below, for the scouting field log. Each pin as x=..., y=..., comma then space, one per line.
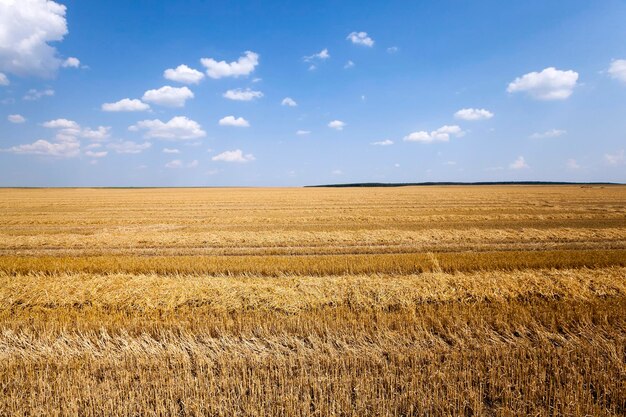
x=411, y=301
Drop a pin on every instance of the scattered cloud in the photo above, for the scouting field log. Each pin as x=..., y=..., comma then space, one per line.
x=126, y=104
x=360, y=38
x=168, y=96
x=337, y=125
x=320, y=56
x=242, y=67
x=242, y=95
x=572, y=164
x=348, y=65
x=66, y=149
x=69, y=130
x=386, y=142
x=442, y=134
x=193, y=164
x=234, y=156
x=61, y=124
x=34, y=95
x=232, y=121
x=99, y=154
x=549, y=84
x=178, y=128
x=16, y=118
x=519, y=163
x=71, y=62
x=4, y=80
x=473, y=114
x=288, y=101
x=28, y=26
x=617, y=70
x=99, y=134
x=168, y=150
x=183, y=74
x=392, y=49
x=176, y=163
x=552, y=133
x=129, y=147
x=303, y=132
x=616, y=158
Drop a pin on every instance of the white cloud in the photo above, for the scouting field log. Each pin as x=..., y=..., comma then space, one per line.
x=385, y=142
x=43, y=147
x=549, y=84
x=71, y=62
x=4, y=80
x=232, y=121
x=337, y=125
x=321, y=56
x=348, y=65
x=183, y=74
x=440, y=135
x=552, y=133
x=572, y=164
x=178, y=128
x=193, y=164
x=69, y=130
x=27, y=27
x=61, y=124
x=16, y=118
x=288, y=101
x=128, y=147
x=243, y=66
x=242, y=95
x=617, y=70
x=176, y=163
x=233, y=156
x=168, y=96
x=337, y=172
x=126, y=104
x=616, y=158
x=34, y=95
x=168, y=150
x=99, y=134
x=100, y=154
x=519, y=163
x=392, y=49
x=303, y=132
x=473, y=114
x=360, y=38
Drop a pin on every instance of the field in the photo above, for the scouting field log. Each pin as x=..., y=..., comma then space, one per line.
x=412, y=301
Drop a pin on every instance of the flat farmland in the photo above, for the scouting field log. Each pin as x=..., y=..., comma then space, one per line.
x=408, y=301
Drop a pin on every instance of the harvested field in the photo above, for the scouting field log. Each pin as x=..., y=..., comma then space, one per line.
x=412, y=301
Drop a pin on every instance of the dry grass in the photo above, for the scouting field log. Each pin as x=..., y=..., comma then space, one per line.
x=504, y=301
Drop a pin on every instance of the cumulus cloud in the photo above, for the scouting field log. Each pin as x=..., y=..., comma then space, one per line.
x=96, y=154
x=392, y=49
x=549, y=84
x=473, y=114
x=337, y=125
x=348, y=65
x=303, y=132
x=34, y=95
x=183, y=74
x=616, y=158
x=519, y=163
x=126, y=104
x=129, y=147
x=69, y=130
x=242, y=67
x=71, y=62
x=385, y=142
x=176, y=163
x=168, y=96
x=99, y=134
x=234, y=156
x=16, y=118
x=232, y=121
x=4, y=80
x=27, y=28
x=288, y=101
x=320, y=56
x=360, y=38
x=193, y=164
x=168, y=150
x=552, y=133
x=242, y=95
x=442, y=134
x=66, y=149
x=178, y=128
x=61, y=124
x=617, y=70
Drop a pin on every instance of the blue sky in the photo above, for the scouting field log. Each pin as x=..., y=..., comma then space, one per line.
x=282, y=93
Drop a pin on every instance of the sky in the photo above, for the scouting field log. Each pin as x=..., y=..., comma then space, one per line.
x=291, y=93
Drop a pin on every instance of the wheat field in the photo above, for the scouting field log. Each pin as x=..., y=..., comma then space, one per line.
x=409, y=301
